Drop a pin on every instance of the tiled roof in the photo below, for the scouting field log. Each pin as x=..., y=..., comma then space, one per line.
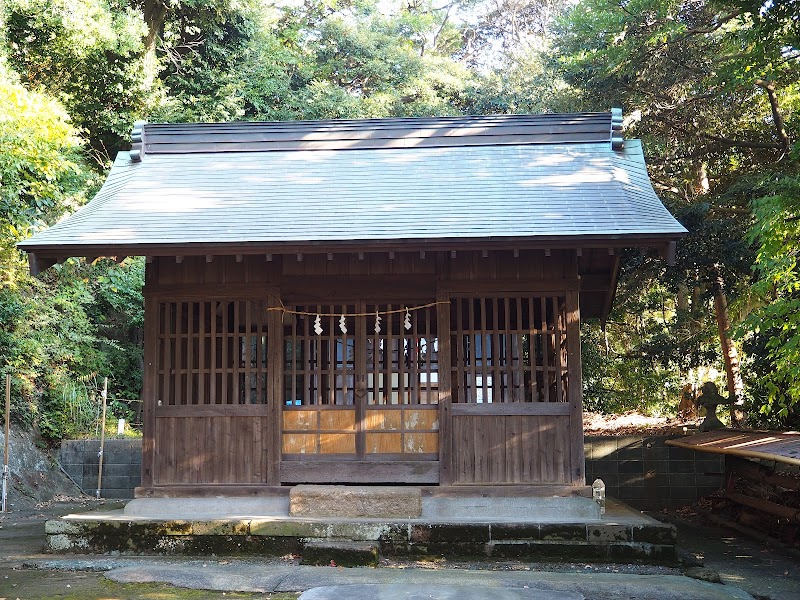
x=383, y=180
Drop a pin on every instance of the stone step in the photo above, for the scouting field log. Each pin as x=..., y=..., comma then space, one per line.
x=336, y=553
x=378, y=502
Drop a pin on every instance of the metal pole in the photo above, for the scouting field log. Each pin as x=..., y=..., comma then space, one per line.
x=5, y=455
x=102, y=440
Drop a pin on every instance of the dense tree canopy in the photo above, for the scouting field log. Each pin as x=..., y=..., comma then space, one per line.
x=710, y=86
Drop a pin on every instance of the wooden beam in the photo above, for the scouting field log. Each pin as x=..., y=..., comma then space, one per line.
x=671, y=252
x=757, y=472
x=149, y=384
x=445, y=245
x=445, y=389
x=575, y=390
x=37, y=264
x=499, y=286
x=325, y=471
x=511, y=409
x=274, y=390
x=213, y=410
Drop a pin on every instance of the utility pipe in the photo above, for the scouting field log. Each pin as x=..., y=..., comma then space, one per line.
x=102, y=440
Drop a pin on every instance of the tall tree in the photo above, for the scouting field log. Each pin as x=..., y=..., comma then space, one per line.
x=88, y=55
x=706, y=84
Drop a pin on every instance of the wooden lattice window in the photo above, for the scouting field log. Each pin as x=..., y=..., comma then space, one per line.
x=509, y=349
x=398, y=365
x=402, y=365
x=212, y=352
x=319, y=369
x=356, y=391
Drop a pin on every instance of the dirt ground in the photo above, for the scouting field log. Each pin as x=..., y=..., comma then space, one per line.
x=766, y=572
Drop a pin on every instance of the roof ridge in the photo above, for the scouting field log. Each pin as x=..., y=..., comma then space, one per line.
x=394, y=132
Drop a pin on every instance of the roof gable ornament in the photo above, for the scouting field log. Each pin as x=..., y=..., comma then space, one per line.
x=617, y=140
x=137, y=141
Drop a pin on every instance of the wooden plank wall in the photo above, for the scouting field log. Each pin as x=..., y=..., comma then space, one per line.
x=211, y=450
x=520, y=449
x=236, y=447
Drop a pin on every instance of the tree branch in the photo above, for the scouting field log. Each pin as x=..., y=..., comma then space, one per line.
x=742, y=143
x=780, y=129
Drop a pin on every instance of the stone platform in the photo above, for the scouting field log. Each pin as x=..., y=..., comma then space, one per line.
x=461, y=526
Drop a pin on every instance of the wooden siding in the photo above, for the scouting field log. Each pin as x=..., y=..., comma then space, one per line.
x=519, y=449
x=211, y=450
x=388, y=406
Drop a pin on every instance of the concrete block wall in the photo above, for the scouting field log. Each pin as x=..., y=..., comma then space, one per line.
x=641, y=471
x=649, y=475
x=122, y=465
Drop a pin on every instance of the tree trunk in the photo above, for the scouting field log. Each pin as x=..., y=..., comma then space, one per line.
x=155, y=11
x=729, y=353
x=683, y=296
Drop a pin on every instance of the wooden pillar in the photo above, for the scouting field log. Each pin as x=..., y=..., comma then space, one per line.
x=274, y=428
x=577, y=460
x=149, y=387
x=445, y=390
x=360, y=379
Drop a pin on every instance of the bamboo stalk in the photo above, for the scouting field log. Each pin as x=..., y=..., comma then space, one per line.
x=5, y=454
x=102, y=440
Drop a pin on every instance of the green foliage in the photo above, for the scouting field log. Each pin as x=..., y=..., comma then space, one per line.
x=774, y=327
x=89, y=55
x=41, y=170
x=705, y=84
x=53, y=346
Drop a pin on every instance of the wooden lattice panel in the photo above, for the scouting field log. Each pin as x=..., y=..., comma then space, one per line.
x=319, y=369
x=211, y=352
x=401, y=363
x=508, y=350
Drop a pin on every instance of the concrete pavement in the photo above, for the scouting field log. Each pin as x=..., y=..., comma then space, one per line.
x=250, y=576
x=430, y=592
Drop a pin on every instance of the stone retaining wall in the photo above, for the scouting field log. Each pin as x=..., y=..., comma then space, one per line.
x=641, y=471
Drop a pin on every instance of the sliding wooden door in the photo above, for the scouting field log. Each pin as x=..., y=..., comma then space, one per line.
x=360, y=401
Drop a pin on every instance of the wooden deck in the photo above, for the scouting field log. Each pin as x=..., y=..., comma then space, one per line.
x=780, y=446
